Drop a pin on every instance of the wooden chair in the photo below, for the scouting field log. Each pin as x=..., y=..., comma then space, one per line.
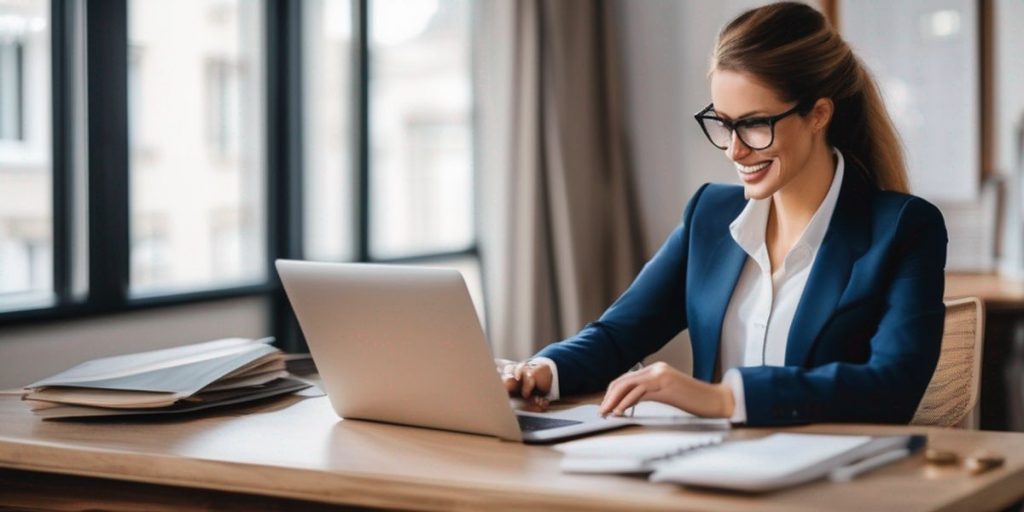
x=951, y=399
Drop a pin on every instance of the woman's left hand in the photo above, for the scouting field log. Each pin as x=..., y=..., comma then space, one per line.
x=662, y=383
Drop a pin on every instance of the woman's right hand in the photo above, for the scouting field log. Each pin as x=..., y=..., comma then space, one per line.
x=531, y=381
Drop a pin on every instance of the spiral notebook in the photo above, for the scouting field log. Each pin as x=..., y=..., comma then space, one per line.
x=772, y=462
x=633, y=453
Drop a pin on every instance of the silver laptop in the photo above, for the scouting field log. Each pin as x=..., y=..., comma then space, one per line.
x=402, y=344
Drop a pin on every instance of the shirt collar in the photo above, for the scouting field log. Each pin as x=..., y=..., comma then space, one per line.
x=748, y=229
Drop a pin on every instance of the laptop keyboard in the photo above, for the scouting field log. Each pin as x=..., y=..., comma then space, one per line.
x=534, y=423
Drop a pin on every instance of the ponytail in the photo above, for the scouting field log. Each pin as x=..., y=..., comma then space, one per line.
x=790, y=47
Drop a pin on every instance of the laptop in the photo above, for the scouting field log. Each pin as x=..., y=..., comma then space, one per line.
x=403, y=344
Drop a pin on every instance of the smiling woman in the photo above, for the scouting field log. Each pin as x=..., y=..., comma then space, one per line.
x=813, y=292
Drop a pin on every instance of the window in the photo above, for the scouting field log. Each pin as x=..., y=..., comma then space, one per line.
x=329, y=193
x=198, y=100
x=223, y=109
x=419, y=200
x=26, y=236
x=223, y=134
x=421, y=186
x=391, y=178
x=12, y=74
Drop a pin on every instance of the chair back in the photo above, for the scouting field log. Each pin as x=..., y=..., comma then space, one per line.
x=951, y=399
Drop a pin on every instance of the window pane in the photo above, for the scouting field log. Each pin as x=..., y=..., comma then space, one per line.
x=196, y=111
x=421, y=181
x=26, y=197
x=328, y=202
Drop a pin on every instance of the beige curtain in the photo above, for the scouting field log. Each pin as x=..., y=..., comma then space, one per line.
x=559, y=230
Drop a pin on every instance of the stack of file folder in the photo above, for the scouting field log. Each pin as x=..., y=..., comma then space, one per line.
x=174, y=380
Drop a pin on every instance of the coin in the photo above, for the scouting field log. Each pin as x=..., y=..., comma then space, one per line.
x=940, y=457
x=983, y=460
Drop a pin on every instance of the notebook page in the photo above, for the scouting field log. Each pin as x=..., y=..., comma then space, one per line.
x=640, y=446
x=635, y=453
x=772, y=462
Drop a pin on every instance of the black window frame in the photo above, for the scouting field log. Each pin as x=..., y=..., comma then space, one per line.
x=105, y=26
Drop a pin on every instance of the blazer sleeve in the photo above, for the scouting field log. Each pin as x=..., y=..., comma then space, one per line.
x=646, y=317
x=904, y=349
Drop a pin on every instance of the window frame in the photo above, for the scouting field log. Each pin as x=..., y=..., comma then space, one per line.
x=102, y=27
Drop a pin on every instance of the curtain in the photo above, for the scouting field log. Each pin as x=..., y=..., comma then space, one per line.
x=559, y=231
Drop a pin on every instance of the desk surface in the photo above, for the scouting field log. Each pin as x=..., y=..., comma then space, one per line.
x=997, y=292
x=297, y=448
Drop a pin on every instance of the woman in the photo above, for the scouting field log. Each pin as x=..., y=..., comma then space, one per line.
x=814, y=291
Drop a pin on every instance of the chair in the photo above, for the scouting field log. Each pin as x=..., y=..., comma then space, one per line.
x=951, y=399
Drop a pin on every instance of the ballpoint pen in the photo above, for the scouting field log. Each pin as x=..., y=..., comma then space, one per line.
x=847, y=473
x=851, y=471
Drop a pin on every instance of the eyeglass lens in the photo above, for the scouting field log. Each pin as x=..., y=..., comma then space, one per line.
x=754, y=135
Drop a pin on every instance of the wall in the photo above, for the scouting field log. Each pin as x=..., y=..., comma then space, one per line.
x=1008, y=114
x=1008, y=86
x=666, y=47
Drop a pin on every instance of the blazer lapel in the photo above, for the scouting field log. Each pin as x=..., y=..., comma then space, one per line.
x=845, y=241
x=721, y=277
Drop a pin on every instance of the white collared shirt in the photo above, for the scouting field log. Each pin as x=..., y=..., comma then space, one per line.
x=756, y=324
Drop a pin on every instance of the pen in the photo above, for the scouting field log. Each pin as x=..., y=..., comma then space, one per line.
x=847, y=473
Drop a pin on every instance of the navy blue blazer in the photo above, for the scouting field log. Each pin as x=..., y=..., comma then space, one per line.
x=866, y=334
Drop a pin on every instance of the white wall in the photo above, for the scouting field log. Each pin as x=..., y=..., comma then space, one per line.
x=666, y=47
x=1008, y=63
x=1008, y=113
x=30, y=353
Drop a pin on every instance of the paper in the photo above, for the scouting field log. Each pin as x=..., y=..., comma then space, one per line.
x=657, y=414
x=772, y=462
x=629, y=453
x=165, y=381
x=184, y=379
x=643, y=446
x=277, y=387
x=133, y=364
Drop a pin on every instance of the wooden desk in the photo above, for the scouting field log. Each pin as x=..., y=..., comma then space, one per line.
x=997, y=293
x=1002, y=401
x=298, y=449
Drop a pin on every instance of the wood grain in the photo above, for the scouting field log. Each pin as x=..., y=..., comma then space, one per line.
x=298, y=449
x=996, y=292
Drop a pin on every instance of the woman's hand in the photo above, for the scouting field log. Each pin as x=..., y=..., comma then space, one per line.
x=527, y=380
x=662, y=383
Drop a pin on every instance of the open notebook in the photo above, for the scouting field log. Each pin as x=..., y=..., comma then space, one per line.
x=705, y=459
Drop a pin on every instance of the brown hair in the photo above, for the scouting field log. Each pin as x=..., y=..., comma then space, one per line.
x=791, y=48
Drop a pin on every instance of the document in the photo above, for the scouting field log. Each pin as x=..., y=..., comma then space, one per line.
x=171, y=380
x=772, y=462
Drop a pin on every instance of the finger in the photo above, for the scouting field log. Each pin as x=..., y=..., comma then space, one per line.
x=511, y=384
x=616, y=392
x=529, y=383
x=518, y=372
x=536, y=404
x=630, y=400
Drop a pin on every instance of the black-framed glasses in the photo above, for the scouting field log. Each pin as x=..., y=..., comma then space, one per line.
x=755, y=132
